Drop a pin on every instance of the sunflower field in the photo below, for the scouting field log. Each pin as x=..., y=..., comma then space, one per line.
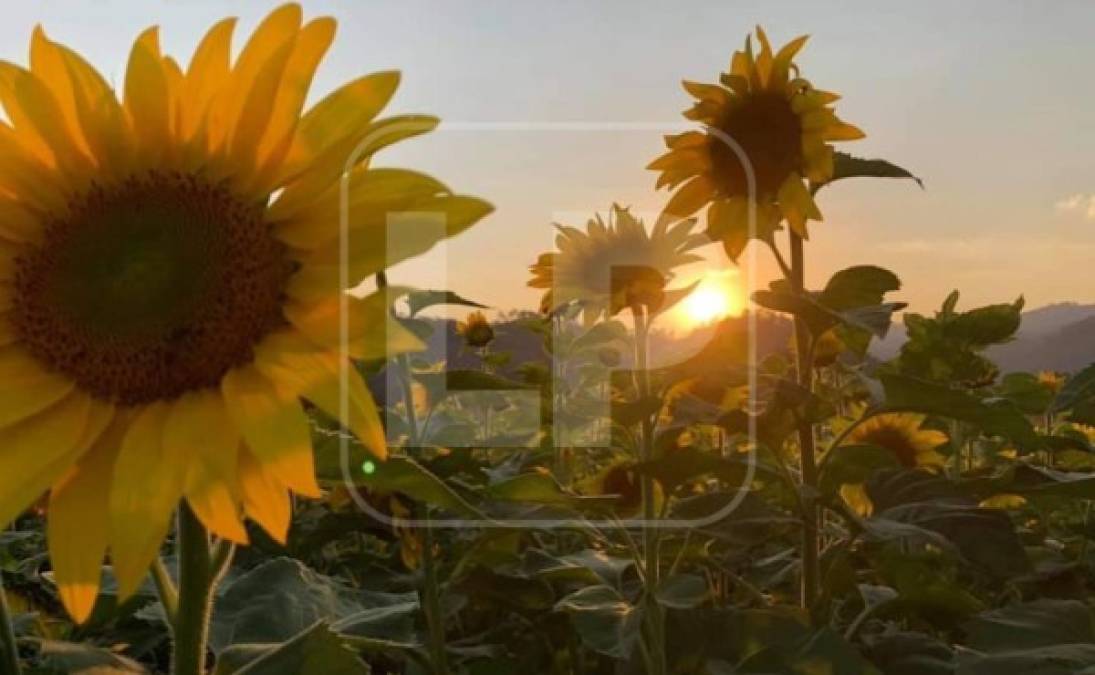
x=230, y=443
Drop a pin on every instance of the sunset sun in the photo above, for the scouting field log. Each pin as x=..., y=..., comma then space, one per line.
x=715, y=298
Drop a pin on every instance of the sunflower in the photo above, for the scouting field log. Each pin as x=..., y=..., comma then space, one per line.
x=619, y=480
x=172, y=285
x=613, y=265
x=781, y=123
x=476, y=330
x=1051, y=381
x=902, y=435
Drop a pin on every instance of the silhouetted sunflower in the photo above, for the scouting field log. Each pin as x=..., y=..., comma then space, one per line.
x=613, y=265
x=476, y=330
x=172, y=284
x=779, y=121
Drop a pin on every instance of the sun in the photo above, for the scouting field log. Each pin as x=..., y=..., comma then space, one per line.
x=715, y=298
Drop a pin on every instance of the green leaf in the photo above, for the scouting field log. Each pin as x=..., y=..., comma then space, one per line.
x=859, y=286
x=403, y=474
x=985, y=537
x=682, y=591
x=315, y=651
x=1026, y=392
x=852, y=464
x=1066, y=659
x=1079, y=387
x=1041, y=623
x=587, y=567
x=849, y=166
x=686, y=464
x=823, y=651
x=998, y=417
x=281, y=598
x=420, y=300
x=455, y=381
x=71, y=657
x=908, y=653
x=605, y=620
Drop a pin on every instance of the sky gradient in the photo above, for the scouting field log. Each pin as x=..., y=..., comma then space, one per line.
x=987, y=101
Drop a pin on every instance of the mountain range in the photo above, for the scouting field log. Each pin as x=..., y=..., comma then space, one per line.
x=1058, y=337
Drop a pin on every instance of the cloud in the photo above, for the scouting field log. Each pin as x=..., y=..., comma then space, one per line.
x=1078, y=203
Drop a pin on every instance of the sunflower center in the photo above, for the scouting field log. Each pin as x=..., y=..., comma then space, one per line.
x=151, y=288
x=769, y=132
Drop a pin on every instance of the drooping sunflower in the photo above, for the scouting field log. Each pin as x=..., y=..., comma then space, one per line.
x=476, y=330
x=781, y=123
x=910, y=444
x=172, y=279
x=618, y=479
x=614, y=264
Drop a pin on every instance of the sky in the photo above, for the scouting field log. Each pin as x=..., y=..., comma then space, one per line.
x=552, y=110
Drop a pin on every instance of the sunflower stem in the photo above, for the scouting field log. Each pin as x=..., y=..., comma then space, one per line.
x=197, y=579
x=656, y=628
x=9, y=653
x=811, y=561
x=430, y=592
x=165, y=588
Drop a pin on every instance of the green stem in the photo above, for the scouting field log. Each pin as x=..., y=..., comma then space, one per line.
x=811, y=562
x=197, y=579
x=656, y=627
x=430, y=592
x=165, y=588
x=9, y=653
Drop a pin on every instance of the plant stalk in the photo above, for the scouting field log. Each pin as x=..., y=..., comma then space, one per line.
x=430, y=592
x=656, y=625
x=197, y=580
x=811, y=562
x=9, y=653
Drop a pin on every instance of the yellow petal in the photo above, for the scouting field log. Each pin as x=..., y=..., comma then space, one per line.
x=258, y=107
x=693, y=195
x=292, y=362
x=840, y=131
x=370, y=193
x=344, y=113
x=146, y=96
x=265, y=499
x=797, y=204
x=147, y=486
x=275, y=427
x=198, y=428
x=369, y=248
x=47, y=62
x=79, y=525
x=855, y=494
x=28, y=386
x=101, y=117
x=206, y=75
x=274, y=32
x=321, y=174
x=36, y=452
x=311, y=44
x=34, y=111
x=18, y=223
x=371, y=332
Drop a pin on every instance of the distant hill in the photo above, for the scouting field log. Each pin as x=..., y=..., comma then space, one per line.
x=1055, y=337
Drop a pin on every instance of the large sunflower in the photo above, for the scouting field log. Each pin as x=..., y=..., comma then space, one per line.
x=781, y=123
x=171, y=285
x=614, y=264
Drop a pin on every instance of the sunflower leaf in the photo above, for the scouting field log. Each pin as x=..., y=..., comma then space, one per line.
x=849, y=166
x=420, y=300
